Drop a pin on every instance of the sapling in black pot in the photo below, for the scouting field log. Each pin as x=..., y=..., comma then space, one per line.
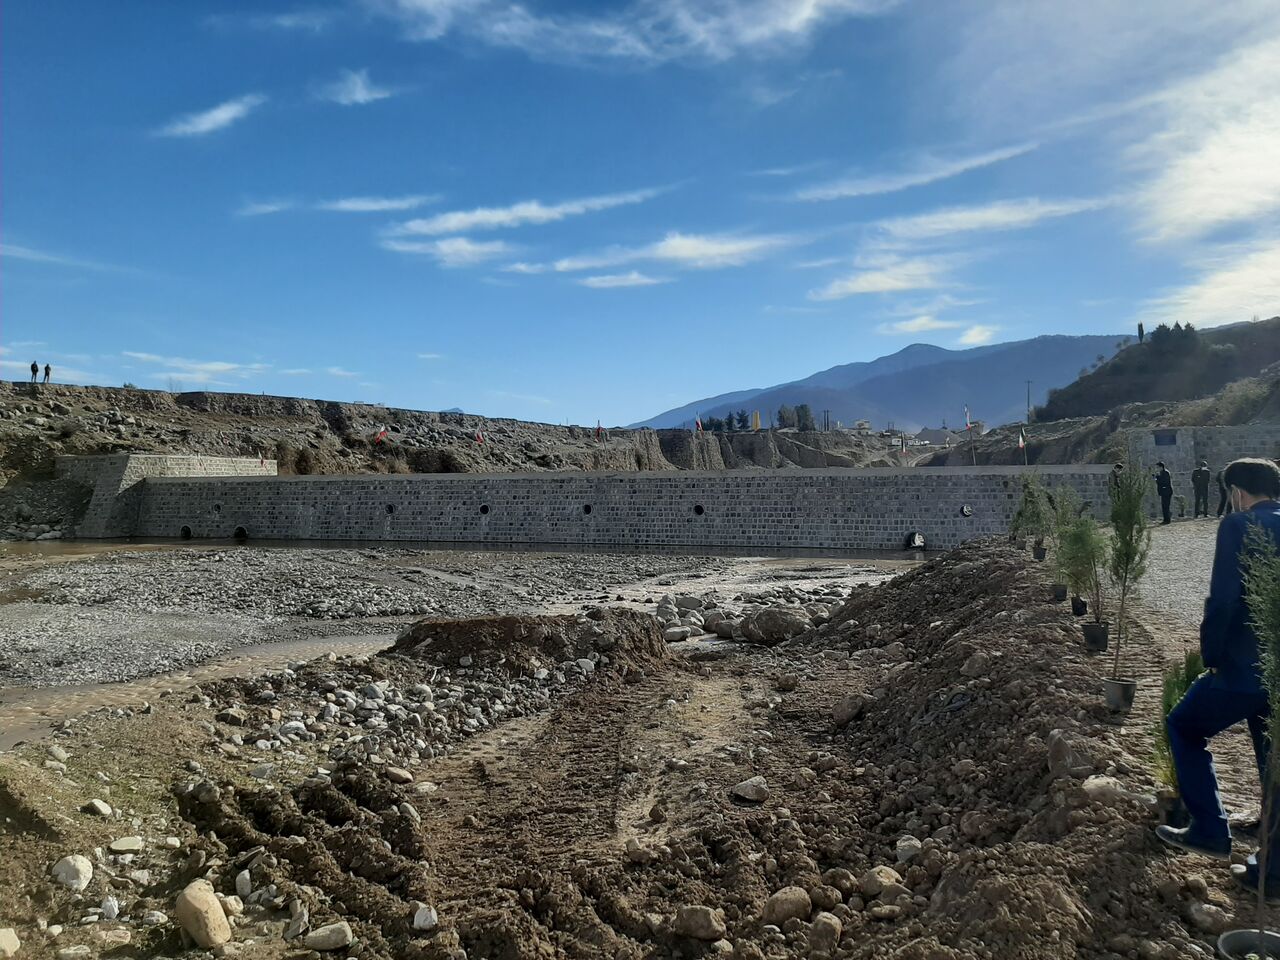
x=1177, y=681
x=1032, y=518
x=1082, y=555
x=1126, y=566
x=1260, y=565
x=1065, y=509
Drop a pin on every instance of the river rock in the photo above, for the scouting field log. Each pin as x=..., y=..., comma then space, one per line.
x=399, y=775
x=873, y=882
x=334, y=936
x=699, y=922
x=824, y=934
x=98, y=808
x=425, y=916
x=774, y=624
x=849, y=708
x=126, y=845
x=787, y=903
x=9, y=942
x=73, y=872
x=201, y=915
x=753, y=790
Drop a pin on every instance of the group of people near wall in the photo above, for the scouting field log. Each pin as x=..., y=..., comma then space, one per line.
x=1201, y=477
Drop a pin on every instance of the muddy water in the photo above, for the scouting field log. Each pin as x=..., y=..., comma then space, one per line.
x=28, y=713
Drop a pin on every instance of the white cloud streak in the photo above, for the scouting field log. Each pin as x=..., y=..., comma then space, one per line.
x=431, y=356
x=340, y=372
x=213, y=119
x=926, y=171
x=452, y=251
x=15, y=252
x=519, y=214
x=978, y=334
x=1000, y=215
x=650, y=31
x=208, y=372
x=923, y=324
x=354, y=88
x=264, y=208
x=377, y=204
x=691, y=251
x=1235, y=284
x=891, y=274
x=613, y=281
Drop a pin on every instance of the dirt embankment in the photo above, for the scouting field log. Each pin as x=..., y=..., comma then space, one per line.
x=929, y=775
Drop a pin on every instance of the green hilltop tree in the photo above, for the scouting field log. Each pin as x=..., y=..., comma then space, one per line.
x=786, y=416
x=804, y=418
x=744, y=420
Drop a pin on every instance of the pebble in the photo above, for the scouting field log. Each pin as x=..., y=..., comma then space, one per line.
x=201, y=915
x=699, y=922
x=824, y=934
x=127, y=845
x=334, y=936
x=753, y=790
x=424, y=916
x=9, y=942
x=244, y=884
x=786, y=904
x=399, y=775
x=73, y=872
x=74, y=953
x=110, y=908
x=98, y=808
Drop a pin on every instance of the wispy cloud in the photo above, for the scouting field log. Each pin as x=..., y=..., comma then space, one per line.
x=786, y=171
x=519, y=214
x=651, y=31
x=197, y=371
x=1235, y=284
x=16, y=252
x=377, y=204
x=690, y=250
x=340, y=372
x=1000, y=215
x=300, y=21
x=610, y=281
x=264, y=208
x=354, y=88
x=924, y=171
x=215, y=118
x=891, y=274
x=431, y=356
x=978, y=334
x=295, y=372
x=526, y=268
x=452, y=251
x=922, y=324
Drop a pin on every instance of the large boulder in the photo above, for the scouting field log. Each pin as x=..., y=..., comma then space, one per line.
x=201, y=915
x=786, y=904
x=775, y=624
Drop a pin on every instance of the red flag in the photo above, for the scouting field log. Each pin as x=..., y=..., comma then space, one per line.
x=698, y=424
x=479, y=437
x=599, y=430
x=1022, y=439
x=380, y=435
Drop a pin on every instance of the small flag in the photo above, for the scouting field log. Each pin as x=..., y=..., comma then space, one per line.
x=968, y=424
x=380, y=435
x=698, y=423
x=479, y=437
x=599, y=431
x=1022, y=438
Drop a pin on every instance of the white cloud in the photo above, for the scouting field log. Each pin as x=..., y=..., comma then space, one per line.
x=612, y=280
x=1235, y=284
x=377, y=204
x=693, y=251
x=785, y=171
x=526, y=268
x=653, y=30
x=197, y=371
x=295, y=372
x=264, y=208
x=340, y=372
x=978, y=334
x=519, y=214
x=1214, y=160
x=928, y=170
x=216, y=118
x=452, y=251
x=431, y=356
x=354, y=88
x=922, y=324
x=311, y=20
x=1000, y=215
x=890, y=274
x=16, y=252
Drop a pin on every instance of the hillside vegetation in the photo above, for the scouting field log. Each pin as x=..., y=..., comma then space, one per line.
x=1174, y=364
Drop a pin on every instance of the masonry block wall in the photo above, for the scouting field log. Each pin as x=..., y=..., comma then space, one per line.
x=837, y=508
x=115, y=479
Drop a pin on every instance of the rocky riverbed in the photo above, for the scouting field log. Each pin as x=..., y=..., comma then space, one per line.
x=917, y=770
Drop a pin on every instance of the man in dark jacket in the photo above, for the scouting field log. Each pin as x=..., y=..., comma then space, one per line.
x=1200, y=477
x=1164, y=487
x=1224, y=500
x=1231, y=690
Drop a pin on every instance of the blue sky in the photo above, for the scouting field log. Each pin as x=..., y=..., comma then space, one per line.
x=571, y=212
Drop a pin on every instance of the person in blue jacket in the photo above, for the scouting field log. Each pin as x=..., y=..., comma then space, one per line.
x=1231, y=688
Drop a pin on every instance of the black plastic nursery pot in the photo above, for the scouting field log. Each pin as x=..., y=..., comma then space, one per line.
x=1059, y=591
x=1238, y=944
x=1119, y=692
x=1095, y=636
x=1020, y=543
x=1039, y=552
x=1079, y=606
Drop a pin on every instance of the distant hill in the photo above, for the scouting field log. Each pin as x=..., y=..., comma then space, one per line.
x=1172, y=364
x=920, y=385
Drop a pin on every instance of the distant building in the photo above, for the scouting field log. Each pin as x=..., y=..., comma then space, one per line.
x=938, y=437
x=862, y=427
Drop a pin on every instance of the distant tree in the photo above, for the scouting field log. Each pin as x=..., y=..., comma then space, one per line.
x=744, y=420
x=714, y=425
x=728, y=422
x=786, y=416
x=804, y=418
x=1100, y=358
x=1142, y=332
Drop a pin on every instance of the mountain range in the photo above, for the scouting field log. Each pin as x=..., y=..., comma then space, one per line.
x=920, y=385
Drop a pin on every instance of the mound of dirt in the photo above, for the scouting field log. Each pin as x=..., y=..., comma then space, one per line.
x=522, y=644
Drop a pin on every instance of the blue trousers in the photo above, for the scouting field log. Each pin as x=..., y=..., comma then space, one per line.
x=1206, y=710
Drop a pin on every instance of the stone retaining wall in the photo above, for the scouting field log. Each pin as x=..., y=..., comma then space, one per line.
x=1182, y=449
x=837, y=508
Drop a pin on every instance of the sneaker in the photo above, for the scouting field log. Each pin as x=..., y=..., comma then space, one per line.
x=1246, y=874
x=1185, y=839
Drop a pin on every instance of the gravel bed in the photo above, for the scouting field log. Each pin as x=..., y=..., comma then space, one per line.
x=1177, y=579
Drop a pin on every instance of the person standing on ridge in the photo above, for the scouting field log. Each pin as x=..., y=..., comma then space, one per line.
x=1231, y=688
x=1224, y=501
x=48, y=371
x=1200, y=483
x=1113, y=481
x=1164, y=487
x=35, y=371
